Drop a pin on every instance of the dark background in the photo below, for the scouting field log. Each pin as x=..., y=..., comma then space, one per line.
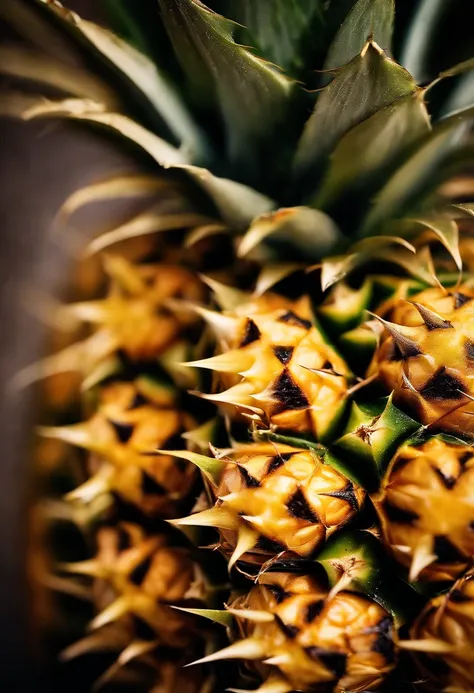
x=40, y=164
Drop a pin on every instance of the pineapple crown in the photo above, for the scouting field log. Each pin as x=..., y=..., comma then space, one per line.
x=292, y=121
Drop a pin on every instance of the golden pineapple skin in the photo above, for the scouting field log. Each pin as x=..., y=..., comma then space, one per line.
x=277, y=365
x=426, y=509
x=430, y=370
x=136, y=317
x=449, y=618
x=146, y=576
x=132, y=420
x=289, y=498
x=334, y=642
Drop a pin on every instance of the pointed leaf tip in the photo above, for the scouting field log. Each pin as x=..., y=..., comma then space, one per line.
x=211, y=467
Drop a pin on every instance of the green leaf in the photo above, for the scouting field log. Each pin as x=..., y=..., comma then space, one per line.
x=371, y=147
x=411, y=181
x=137, y=21
x=140, y=72
x=252, y=96
x=311, y=232
x=368, y=18
x=415, y=53
x=283, y=31
x=237, y=203
x=336, y=268
x=368, y=83
x=462, y=96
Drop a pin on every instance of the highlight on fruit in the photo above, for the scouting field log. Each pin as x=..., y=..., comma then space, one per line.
x=254, y=453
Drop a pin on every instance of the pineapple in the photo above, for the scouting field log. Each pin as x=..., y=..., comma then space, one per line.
x=443, y=634
x=132, y=419
x=416, y=504
x=291, y=377
x=310, y=153
x=277, y=500
x=308, y=639
x=425, y=357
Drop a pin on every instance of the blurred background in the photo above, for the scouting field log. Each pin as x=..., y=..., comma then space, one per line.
x=40, y=165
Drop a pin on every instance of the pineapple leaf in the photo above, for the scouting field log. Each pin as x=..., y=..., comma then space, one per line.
x=462, y=96
x=415, y=177
x=139, y=70
x=283, y=31
x=367, y=18
x=237, y=203
x=370, y=82
x=371, y=147
x=311, y=232
x=37, y=67
x=418, y=41
x=252, y=96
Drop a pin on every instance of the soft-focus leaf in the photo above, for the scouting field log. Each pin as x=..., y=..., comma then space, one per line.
x=419, y=38
x=133, y=185
x=309, y=231
x=283, y=31
x=368, y=83
x=462, y=96
x=152, y=221
x=236, y=203
x=459, y=69
x=373, y=145
x=37, y=67
x=252, y=96
x=333, y=269
x=412, y=179
x=447, y=231
x=368, y=18
x=138, y=69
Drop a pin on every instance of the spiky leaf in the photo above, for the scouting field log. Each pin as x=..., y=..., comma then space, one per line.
x=283, y=31
x=419, y=172
x=373, y=145
x=251, y=94
x=367, y=84
x=367, y=18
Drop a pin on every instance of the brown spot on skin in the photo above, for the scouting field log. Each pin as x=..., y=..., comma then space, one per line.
x=283, y=353
x=292, y=319
x=138, y=574
x=299, y=507
x=124, y=541
x=399, y=515
x=278, y=592
x=269, y=546
x=313, y=610
x=460, y=300
x=442, y=386
x=347, y=493
x=249, y=480
x=469, y=349
x=138, y=401
x=290, y=631
x=384, y=643
x=123, y=431
x=252, y=333
x=446, y=551
x=459, y=597
x=289, y=393
x=142, y=630
x=336, y=662
x=448, y=481
x=279, y=460
x=151, y=487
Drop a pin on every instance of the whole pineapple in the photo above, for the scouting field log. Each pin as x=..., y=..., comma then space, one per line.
x=318, y=404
